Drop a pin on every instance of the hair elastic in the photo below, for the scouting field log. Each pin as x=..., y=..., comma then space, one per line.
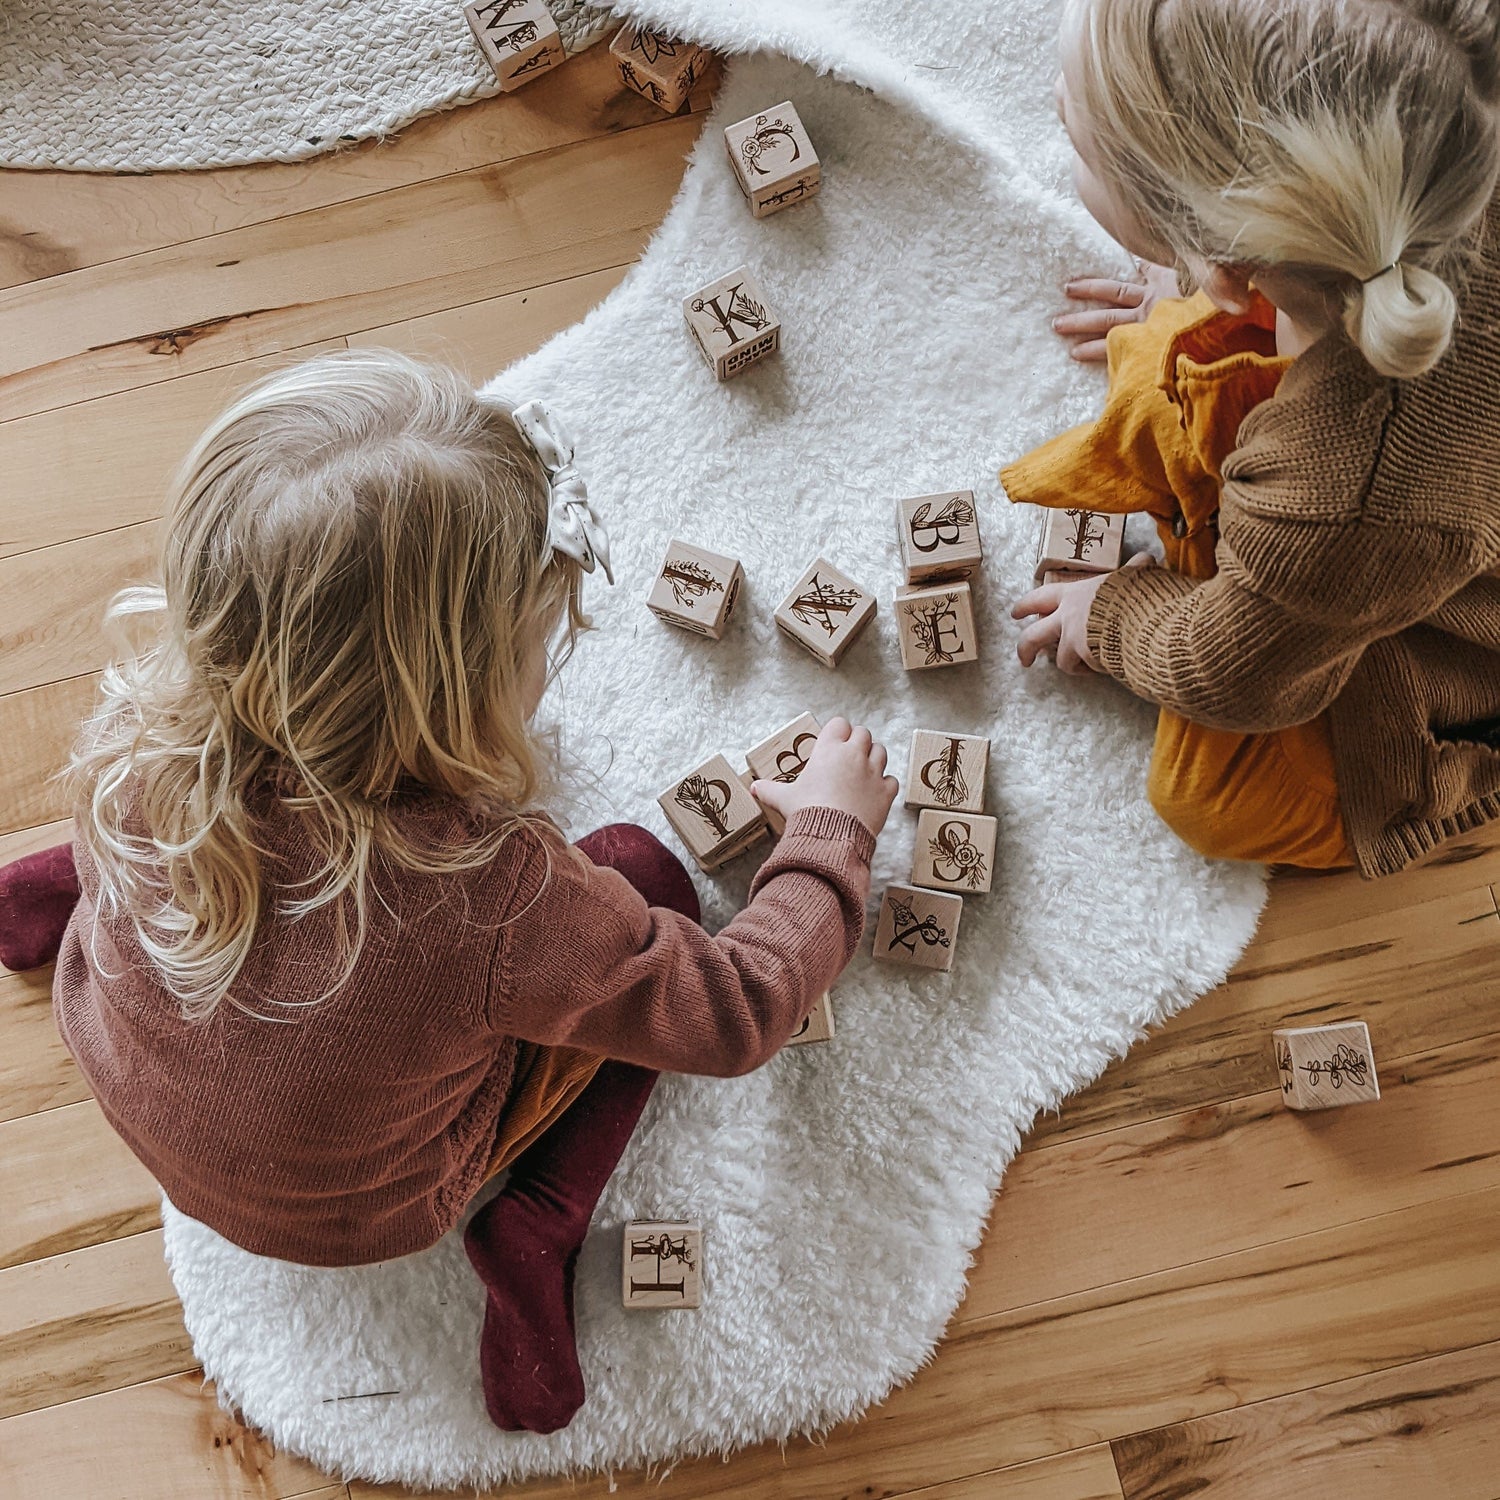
x=1395, y=265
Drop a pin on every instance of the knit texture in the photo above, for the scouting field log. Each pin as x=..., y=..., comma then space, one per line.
x=351, y=1129
x=1359, y=571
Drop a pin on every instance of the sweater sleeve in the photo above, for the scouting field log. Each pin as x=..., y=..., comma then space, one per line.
x=583, y=961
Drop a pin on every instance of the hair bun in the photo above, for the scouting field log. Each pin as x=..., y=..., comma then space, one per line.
x=1401, y=319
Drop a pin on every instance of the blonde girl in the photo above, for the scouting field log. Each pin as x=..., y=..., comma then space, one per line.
x=1317, y=432
x=332, y=967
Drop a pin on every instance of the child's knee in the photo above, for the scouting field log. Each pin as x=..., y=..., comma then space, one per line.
x=646, y=863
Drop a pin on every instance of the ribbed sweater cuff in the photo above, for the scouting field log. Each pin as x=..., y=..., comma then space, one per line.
x=834, y=825
x=1123, y=602
x=822, y=841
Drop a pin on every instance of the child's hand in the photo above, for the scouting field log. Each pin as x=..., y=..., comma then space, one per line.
x=846, y=770
x=1062, y=620
x=1125, y=301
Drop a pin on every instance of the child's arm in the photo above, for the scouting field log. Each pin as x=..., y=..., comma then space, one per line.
x=588, y=964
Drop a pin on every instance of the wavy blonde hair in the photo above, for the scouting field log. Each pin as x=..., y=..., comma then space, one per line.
x=1338, y=138
x=355, y=588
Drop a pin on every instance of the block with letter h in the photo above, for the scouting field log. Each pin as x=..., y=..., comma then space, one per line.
x=662, y=1264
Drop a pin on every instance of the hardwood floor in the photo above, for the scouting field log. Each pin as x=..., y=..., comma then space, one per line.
x=1186, y=1289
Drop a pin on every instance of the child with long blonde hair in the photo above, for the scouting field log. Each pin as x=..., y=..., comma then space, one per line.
x=1316, y=432
x=332, y=968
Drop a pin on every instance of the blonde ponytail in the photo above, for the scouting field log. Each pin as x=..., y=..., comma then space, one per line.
x=1355, y=145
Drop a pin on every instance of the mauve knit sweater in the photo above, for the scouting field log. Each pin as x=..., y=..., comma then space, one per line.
x=1359, y=572
x=358, y=1127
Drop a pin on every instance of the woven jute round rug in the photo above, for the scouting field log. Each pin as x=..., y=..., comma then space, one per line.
x=146, y=85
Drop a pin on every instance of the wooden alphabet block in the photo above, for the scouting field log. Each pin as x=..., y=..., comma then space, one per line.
x=1065, y=575
x=917, y=928
x=713, y=813
x=936, y=626
x=947, y=771
x=773, y=159
x=696, y=590
x=938, y=536
x=519, y=39
x=732, y=323
x=662, y=1264
x=825, y=612
x=657, y=65
x=1079, y=541
x=781, y=757
x=818, y=1027
x=1322, y=1067
x=954, y=851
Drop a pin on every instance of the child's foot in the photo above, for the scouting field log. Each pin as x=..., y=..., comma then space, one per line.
x=528, y=1358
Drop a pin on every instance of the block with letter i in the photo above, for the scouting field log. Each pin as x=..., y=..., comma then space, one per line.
x=825, y=612
x=817, y=1026
x=938, y=536
x=773, y=159
x=1322, y=1067
x=713, y=813
x=782, y=757
x=917, y=928
x=657, y=65
x=1079, y=541
x=947, y=771
x=954, y=852
x=696, y=590
x=519, y=39
x=732, y=323
x=936, y=626
x=662, y=1264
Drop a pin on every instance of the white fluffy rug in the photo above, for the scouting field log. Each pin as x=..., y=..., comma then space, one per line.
x=843, y=1186
x=146, y=85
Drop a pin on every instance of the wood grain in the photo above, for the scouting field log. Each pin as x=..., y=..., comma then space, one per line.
x=36, y=1072
x=89, y=1321
x=37, y=729
x=1425, y=1429
x=398, y=254
x=67, y=1180
x=52, y=224
x=162, y=1440
x=1237, y=1174
x=38, y=836
x=1086, y=1474
x=1422, y=976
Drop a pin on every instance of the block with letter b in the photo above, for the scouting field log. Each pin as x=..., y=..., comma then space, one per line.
x=954, y=851
x=1322, y=1067
x=917, y=928
x=936, y=626
x=696, y=590
x=773, y=159
x=1079, y=541
x=825, y=611
x=782, y=756
x=712, y=812
x=657, y=65
x=947, y=771
x=938, y=536
x=519, y=39
x=732, y=323
x=662, y=1264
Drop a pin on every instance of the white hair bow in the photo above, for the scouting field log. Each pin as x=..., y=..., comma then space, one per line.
x=573, y=526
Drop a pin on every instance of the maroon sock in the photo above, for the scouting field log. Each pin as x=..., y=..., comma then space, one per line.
x=524, y=1243
x=37, y=896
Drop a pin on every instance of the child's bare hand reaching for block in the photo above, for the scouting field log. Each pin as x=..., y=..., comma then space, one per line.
x=846, y=770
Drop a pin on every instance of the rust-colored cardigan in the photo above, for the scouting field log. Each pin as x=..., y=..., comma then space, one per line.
x=358, y=1127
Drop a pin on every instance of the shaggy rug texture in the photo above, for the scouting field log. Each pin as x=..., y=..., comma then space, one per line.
x=844, y=1186
x=147, y=85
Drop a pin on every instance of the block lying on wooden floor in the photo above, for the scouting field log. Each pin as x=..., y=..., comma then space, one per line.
x=818, y=1027
x=696, y=590
x=938, y=536
x=657, y=65
x=936, y=626
x=947, y=771
x=662, y=1264
x=773, y=159
x=917, y=928
x=1322, y=1067
x=732, y=323
x=519, y=39
x=825, y=612
x=1079, y=541
x=782, y=757
x=712, y=812
x=954, y=851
